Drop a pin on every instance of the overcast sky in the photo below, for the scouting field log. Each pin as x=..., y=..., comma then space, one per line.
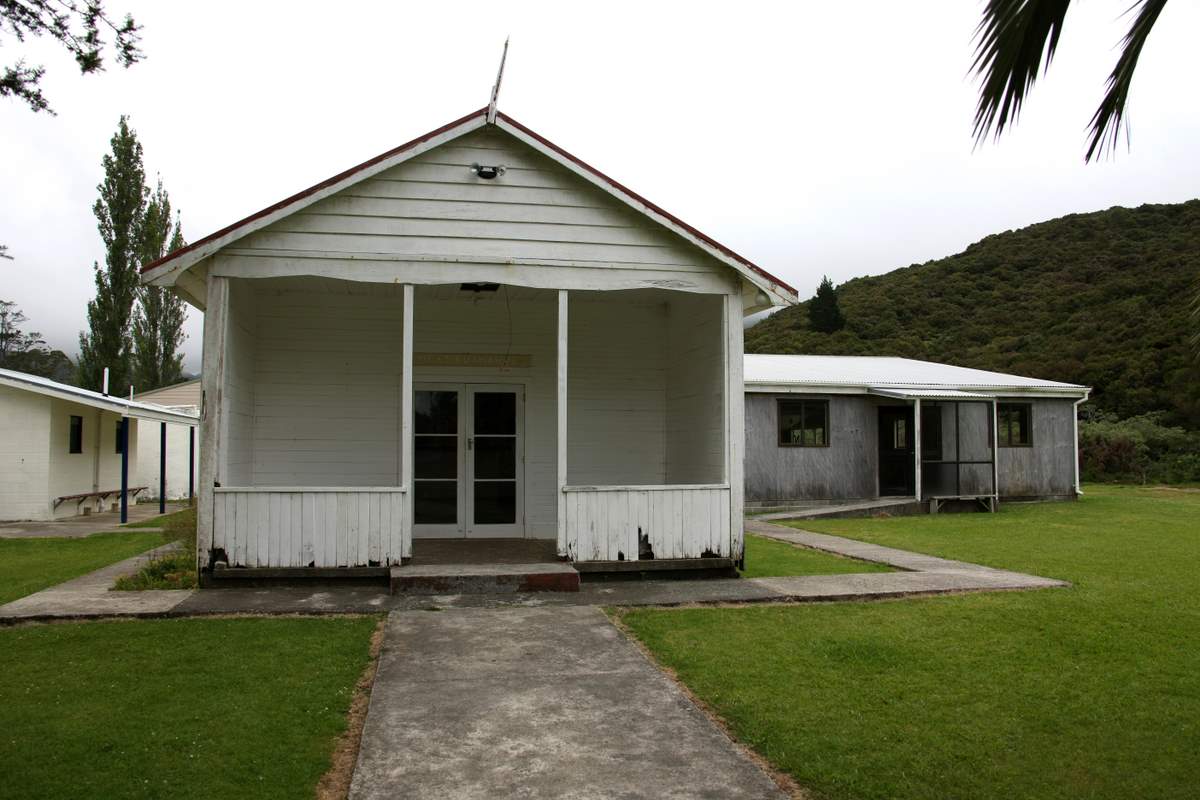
x=813, y=138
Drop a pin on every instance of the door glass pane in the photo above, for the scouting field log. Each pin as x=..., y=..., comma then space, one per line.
x=435, y=412
x=899, y=435
x=496, y=457
x=435, y=502
x=495, y=502
x=435, y=457
x=495, y=413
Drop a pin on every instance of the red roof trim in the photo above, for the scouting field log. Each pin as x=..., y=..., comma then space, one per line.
x=395, y=151
x=658, y=210
x=449, y=126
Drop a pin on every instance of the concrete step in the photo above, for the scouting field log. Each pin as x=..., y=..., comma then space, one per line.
x=484, y=578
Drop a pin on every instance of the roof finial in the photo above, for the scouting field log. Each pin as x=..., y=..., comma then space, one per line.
x=491, y=115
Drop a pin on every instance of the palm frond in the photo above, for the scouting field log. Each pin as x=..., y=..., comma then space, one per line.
x=1011, y=39
x=1106, y=122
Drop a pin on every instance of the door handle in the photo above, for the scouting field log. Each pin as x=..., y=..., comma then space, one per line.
x=470, y=442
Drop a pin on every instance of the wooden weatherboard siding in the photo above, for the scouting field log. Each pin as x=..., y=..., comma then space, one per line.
x=310, y=526
x=519, y=229
x=1046, y=468
x=603, y=523
x=847, y=469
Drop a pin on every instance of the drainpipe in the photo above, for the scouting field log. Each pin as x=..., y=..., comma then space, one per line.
x=1075, y=423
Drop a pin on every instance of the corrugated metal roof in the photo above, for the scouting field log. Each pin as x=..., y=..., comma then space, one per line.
x=928, y=394
x=128, y=408
x=866, y=372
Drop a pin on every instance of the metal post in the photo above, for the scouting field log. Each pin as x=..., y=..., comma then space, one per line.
x=162, y=467
x=957, y=452
x=124, y=470
x=191, y=461
x=917, y=445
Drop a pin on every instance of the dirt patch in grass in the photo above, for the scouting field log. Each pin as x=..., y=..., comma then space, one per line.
x=784, y=781
x=335, y=784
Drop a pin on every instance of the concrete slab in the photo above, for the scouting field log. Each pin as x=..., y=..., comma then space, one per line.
x=532, y=703
x=76, y=527
x=91, y=596
x=503, y=578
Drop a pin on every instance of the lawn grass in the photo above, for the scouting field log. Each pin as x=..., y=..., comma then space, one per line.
x=1086, y=692
x=175, y=570
x=32, y=564
x=193, y=708
x=768, y=558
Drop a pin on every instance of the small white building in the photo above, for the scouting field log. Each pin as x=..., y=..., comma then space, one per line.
x=475, y=334
x=60, y=447
x=182, y=445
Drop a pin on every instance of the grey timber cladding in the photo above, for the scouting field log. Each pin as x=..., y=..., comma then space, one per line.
x=846, y=469
x=1047, y=468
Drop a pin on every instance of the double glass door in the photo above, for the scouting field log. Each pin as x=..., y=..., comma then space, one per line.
x=468, y=460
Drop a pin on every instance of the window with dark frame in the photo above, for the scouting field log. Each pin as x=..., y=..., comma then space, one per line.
x=76, y=442
x=803, y=423
x=1016, y=424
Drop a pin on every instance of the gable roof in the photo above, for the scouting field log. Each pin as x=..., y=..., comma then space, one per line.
x=799, y=373
x=107, y=402
x=190, y=254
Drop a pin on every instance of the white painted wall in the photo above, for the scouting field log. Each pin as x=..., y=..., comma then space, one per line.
x=24, y=455
x=695, y=389
x=149, y=437
x=616, y=388
x=238, y=395
x=74, y=473
x=326, y=385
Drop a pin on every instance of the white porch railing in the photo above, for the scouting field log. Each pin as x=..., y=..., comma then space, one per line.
x=301, y=526
x=604, y=523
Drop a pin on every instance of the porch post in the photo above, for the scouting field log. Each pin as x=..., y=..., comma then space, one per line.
x=995, y=453
x=735, y=441
x=191, y=461
x=162, y=467
x=917, y=443
x=561, y=438
x=212, y=381
x=124, y=470
x=406, y=424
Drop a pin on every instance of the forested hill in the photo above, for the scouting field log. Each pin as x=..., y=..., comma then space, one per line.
x=1100, y=299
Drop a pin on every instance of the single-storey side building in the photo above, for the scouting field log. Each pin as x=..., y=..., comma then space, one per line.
x=61, y=446
x=183, y=453
x=474, y=335
x=845, y=428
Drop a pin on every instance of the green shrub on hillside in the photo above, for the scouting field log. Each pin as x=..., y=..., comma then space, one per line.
x=1140, y=449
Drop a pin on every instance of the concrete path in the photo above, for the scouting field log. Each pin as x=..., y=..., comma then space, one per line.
x=91, y=596
x=76, y=527
x=536, y=703
x=88, y=598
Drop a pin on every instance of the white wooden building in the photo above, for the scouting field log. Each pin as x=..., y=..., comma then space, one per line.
x=182, y=445
x=475, y=334
x=60, y=447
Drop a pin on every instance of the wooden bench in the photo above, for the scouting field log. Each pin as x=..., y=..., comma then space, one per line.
x=101, y=496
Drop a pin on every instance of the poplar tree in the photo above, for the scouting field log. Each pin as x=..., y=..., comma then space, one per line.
x=158, y=320
x=119, y=212
x=823, y=312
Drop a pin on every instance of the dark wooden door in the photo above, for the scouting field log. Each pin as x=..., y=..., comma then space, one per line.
x=897, y=471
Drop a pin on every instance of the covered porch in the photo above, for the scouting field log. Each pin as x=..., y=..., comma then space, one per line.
x=357, y=424
x=939, y=447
